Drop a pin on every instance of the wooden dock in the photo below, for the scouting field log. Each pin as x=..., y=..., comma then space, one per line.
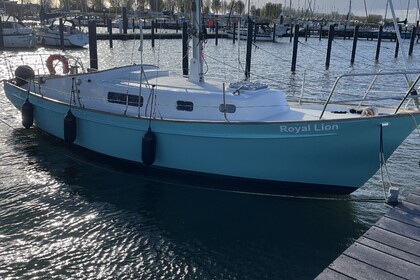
x=388, y=250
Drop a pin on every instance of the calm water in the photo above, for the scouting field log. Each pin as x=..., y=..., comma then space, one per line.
x=66, y=215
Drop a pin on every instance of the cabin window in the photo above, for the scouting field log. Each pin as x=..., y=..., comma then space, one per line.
x=229, y=108
x=184, y=106
x=121, y=98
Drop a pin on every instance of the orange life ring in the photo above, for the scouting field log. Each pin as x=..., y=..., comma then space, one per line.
x=51, y=67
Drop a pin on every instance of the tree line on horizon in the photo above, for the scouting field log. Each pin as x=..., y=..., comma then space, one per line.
x=218, y=7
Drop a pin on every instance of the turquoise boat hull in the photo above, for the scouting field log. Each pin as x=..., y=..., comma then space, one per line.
x=334, y=155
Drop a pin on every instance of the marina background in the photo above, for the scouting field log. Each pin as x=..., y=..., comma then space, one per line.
x=70, y=215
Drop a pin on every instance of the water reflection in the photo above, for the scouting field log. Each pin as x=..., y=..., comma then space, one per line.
x=80, y=215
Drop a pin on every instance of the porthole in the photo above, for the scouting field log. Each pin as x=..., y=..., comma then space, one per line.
x=228, y=108
x=184, y=106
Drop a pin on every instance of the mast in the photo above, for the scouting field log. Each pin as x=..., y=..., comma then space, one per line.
x=349, y=12
x=290, y=8
x=248, y=46
x=196, y=62
x=366, y=11
x=418, y=11
x=408, y=9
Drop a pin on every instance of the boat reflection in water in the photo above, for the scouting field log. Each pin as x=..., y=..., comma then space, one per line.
x=241, y=131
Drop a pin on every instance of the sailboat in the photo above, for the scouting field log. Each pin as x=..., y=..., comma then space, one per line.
x=15, y=34
x=241, y=132
x=49, y=35
x=262, y=32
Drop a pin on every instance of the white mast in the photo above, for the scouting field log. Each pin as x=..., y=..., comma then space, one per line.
x=349, y=13
x=418, y=10
x=366, y=11
x=196, y=62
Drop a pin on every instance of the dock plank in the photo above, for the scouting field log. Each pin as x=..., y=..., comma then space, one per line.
x=330, y=274
x=358, y=270
x=409, y=207
x=390, y=249
x=416, y=191
x=404, y=217
x=399, y=228
x=393, y=240
x=383, y=261
x=413, y=198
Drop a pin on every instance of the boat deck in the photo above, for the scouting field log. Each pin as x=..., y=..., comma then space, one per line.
x=389, y=250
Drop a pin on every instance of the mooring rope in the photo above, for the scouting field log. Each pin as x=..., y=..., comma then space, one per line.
x=382, y=162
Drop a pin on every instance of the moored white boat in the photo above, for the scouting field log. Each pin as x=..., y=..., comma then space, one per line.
x=16, y=34
x=262, y=33
x=72, y=37
x=243, y=130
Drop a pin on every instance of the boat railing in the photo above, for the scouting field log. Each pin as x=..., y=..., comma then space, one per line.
x=38, y=63
x=406, y=94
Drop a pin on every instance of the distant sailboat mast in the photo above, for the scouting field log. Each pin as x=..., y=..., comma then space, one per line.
x=349, y=12
x=365, y=8
x=408, y=9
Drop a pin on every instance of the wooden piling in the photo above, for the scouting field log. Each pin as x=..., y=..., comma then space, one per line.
x=104, y=17
x=125, y=19
x=397, y=48
x=345, y=32
x=255, y=32
x=355, y=36
x=330, y=40
x=295, y=48
x=248, y=50
x=291, y=33
x=378, y=46
x=184, y=48
x=1, y=35
x=320, y=32
x=234, y=33
x=217, y=32
x=111, y=45
x=153, y=34
x=93, y=46
x=274, y=32
x=61, y=30
x=134, y=25
x=412, y=39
